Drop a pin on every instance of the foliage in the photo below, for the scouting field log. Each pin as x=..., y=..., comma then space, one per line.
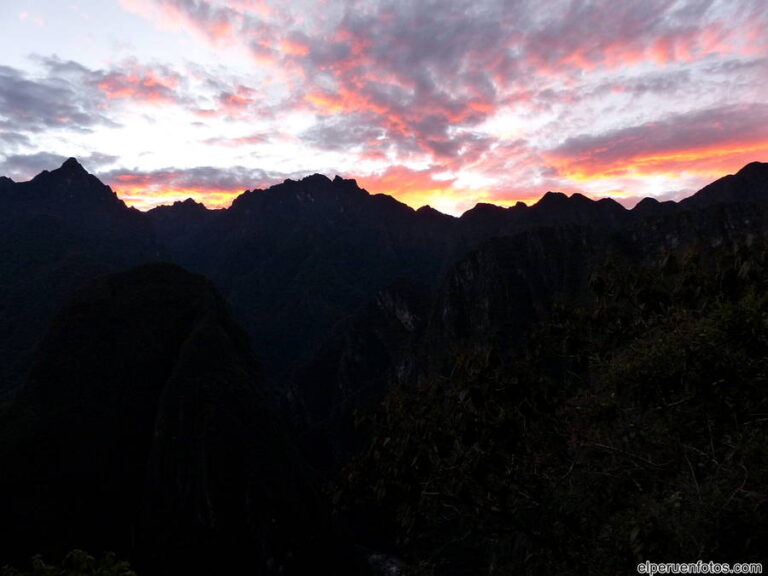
x=75, y=563
x=632, y=426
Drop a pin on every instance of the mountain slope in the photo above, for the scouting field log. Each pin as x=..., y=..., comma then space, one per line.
x=145, y=429
x=299, y=257
x=505, y=325
x=581, y=408
x=56, y=231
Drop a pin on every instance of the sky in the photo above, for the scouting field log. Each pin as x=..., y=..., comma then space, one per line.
x=446, y=103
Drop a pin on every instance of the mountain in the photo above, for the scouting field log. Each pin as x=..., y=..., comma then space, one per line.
x=504, y=287
x=748, y=185
x=56, y=231
x=461, y=384
x=293, y=260
x=145, y=429
x=578, y=393
x=299, y=257
x=626, y=425
x=353, y=371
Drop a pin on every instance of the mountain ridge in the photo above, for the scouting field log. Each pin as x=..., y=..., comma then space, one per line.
x=350, y=300
x=322, y=247
x=752, y=173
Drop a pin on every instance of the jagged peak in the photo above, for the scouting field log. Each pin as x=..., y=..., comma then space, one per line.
x=612, y=203
x=649, y=206
x=68, y=185
x=428, y=211
x=313, y=178
x=483, y=208
x=190, y=203
x=70, y=168
x=187, y=206
x=319, y=180
x=753, y=168
x=552, y=198
x=648, y=201
x=316, y=186
x=347, y=181
x=72, y=165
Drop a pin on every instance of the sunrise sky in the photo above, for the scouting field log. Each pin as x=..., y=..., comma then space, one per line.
x=446, y=103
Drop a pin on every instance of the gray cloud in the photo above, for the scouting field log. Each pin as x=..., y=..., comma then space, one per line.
x=344, y=132
x=202, y=178
x=14, y=140
x=38, y=104
x=415, y=71
x=22, y=167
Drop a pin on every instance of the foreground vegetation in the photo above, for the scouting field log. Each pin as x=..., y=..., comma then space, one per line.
x=631, y=426
x=75, y=563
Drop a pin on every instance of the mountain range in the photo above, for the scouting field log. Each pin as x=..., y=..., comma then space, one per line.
x=205, y=445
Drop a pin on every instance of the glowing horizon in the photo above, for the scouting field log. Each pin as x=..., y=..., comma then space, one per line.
x=444, y=104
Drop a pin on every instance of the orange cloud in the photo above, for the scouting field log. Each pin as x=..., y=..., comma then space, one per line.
x=710, y=161
x=143, y=199
x=216, y=188
x=418, y=188
x=708, y=142
x=294, y=48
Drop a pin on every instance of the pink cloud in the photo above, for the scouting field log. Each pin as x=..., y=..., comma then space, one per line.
x=400, y=83
x=140, y=84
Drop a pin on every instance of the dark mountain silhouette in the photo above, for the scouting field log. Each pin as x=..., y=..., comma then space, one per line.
x=451, y=355
x=748, y=185
x=299, y=257
x=508, y=284
x=145, y=429
x=576, y=391
x=56, y=231
x=293, y=260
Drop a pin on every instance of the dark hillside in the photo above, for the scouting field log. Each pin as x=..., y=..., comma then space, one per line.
x=145, y=430
x=56, y=231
